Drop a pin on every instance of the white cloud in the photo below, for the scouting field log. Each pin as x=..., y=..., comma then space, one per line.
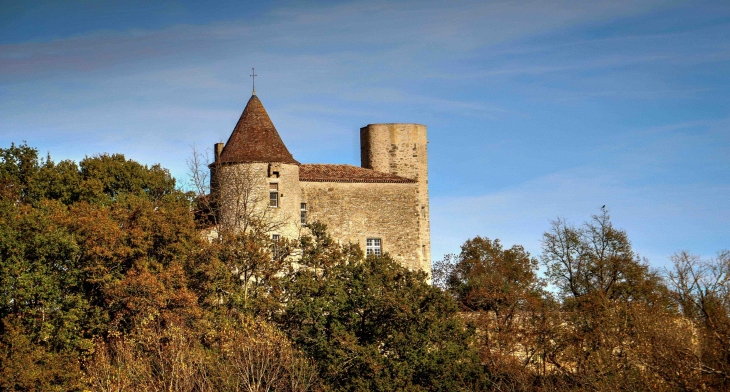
x=327, y=70
x=368, y=28
x=659, y=219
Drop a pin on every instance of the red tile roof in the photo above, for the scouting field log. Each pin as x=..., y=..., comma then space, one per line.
x=346, y=173
x=255, y=139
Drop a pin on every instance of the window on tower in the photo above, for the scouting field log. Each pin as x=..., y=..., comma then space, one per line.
x=273, y=195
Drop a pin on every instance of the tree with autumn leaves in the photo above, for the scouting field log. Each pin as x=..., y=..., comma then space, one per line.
x=86, y=251
x=106, y=283
x=609, y=322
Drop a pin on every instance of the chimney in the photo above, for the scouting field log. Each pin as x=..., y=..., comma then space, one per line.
x=218, y=148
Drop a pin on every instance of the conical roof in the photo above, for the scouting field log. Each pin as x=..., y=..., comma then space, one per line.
x=255, y=139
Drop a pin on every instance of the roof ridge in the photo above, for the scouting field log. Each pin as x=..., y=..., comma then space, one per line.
x=342, y=172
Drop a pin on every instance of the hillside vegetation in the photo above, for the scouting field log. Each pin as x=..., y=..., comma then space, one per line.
x=106, y=283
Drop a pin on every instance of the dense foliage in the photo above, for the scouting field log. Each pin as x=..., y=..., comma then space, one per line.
x=372, y=325
x=610, y=323
x=108, y=282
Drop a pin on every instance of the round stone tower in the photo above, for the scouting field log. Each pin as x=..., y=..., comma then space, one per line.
x=254, y=178
x=402, y=149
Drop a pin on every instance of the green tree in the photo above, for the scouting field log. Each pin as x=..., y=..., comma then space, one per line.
x=18, y=169
x=371, y=324
x=107, y=176
x=86, y=251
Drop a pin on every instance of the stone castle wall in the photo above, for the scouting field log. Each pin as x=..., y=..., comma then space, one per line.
x=354, y=212
x=289, y=199
x=244, y=190
x=402, y=149
x=391, y=209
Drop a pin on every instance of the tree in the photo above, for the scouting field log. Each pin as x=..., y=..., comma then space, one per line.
x=104, y=271
x=239, y=354
x=86, y=251
x=701, y=289
x=17, y=172
x=607, y=294
x=500, y=292
x=243, y=271
x=371, y=324
x=596, y=259
x=489, y=278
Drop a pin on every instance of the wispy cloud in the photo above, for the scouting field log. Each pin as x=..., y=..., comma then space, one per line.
x=539, y=108
x=650, y=214
x=453, y=27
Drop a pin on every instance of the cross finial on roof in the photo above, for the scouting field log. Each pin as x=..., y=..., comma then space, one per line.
x=253, y=77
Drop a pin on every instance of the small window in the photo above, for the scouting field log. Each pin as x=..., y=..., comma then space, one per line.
x=373, y=246
x=423, y=251
x=273, y=194
x=303, y=213
x=275, y=247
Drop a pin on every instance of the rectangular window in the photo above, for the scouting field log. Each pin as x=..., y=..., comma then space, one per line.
x=275, y=246
x=273, y=194
x=373, y=246
x=303, y=213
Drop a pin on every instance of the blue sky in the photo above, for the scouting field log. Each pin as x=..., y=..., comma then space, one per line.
x=535, y=109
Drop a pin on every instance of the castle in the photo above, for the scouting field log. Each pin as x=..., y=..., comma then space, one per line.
x=382, y=206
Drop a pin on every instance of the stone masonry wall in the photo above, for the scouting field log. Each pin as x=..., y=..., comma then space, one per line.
x=354, y=212
x=402, y=149
x=245, y=190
